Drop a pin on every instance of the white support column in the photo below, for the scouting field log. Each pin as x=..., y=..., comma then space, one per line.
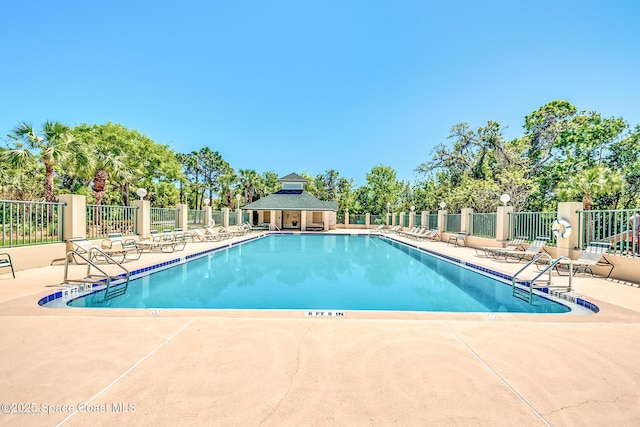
x=75, y=216
x=143, y=217
x=441, y=219
x=183, y=216
x=225, y=217
x=207, y=215
x=502, y=223
x=568, y=212
x=465, y=220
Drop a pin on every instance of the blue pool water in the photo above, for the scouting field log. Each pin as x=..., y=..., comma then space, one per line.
x=328, y=272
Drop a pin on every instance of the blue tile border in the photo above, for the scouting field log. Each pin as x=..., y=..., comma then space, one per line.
x=74, y=292
x=144, y=271
x=497, y=274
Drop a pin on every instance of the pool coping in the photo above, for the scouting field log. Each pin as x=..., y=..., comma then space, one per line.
x=60, y=299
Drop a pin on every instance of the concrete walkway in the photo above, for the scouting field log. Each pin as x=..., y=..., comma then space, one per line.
x=213, y=367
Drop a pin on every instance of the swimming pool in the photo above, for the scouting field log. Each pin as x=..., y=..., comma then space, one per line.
x=328, y=272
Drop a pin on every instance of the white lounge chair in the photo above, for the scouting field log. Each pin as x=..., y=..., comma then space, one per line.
x=531, y=251
x=592, y=256
x=515, y=244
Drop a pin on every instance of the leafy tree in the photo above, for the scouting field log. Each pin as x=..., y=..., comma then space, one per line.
x=382, y=187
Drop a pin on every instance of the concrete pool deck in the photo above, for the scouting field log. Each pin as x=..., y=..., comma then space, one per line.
x=224, y=367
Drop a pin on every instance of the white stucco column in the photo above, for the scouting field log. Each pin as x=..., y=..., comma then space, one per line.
x=143, y=216
x=441, y=219
x=465, y=220
x=75, y=216
x=502, y=223
x=568, y=212
x=183, y=216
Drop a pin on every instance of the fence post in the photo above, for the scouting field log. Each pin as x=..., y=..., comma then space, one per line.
x=207, y=215
x=225, y=217
x=502, y=223
x=183, y=216
x=238, y=216
x=400, y=219
x=442, y=217
x=367, y=220
x=75, y=216
x=465, y=220
x=346, y=218
x=424, y=215
x=568, y=212
x=143, y=217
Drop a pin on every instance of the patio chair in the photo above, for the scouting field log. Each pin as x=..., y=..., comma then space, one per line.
x=593, y=255
x=432, y=234
x=377, y=230
x=423, y=233
x=455, y=240
x=91, y=251
x=256, y=228
x=222, y=233
x=204, y=236
x=515, y=244
x=5, y=262
x=239, y=231
x=156, y=242
x=177, y=239
x=115, y=245
x=408, y=233
x=531, y=251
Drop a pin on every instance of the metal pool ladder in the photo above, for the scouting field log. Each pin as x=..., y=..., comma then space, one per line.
x=525, y=290
x=109, y=292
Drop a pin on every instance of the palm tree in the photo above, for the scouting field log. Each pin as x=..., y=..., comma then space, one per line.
x=55, y=144
x=589, y=183
x=250, y=181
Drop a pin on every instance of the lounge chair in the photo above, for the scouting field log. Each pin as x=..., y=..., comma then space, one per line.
x=239, y=230
x=156, y=242
x=395, y=229
x=433, y=234
x=314, y=227
x=457, y=239
x=531, y=251
x=257, y=228
x=115, y=245
x=222, y=233
x=413, y=230
x=92, y=252
x=377, y=230
x=593, y=255
x=423, y=233
x=515, y=244
x=204, y=236
x=175, y=237
x=5, y=262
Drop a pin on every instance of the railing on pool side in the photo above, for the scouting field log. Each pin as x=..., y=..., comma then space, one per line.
x=621, y=228
x=30, y=223
x=483, y=224
x=164, y=218
x=532, y=224
x=105, y=219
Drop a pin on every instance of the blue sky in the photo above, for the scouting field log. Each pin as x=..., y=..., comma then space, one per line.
x=293, y=86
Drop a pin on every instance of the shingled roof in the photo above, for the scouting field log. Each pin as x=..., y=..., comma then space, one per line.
x=291, y=200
